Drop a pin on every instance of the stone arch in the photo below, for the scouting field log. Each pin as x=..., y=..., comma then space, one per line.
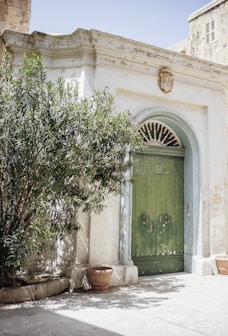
x=192, y=221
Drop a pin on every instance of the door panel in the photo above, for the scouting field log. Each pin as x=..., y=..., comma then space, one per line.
x=157, y=221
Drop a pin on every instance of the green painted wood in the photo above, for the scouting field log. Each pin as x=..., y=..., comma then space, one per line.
x=157, y=221
x=167, y=151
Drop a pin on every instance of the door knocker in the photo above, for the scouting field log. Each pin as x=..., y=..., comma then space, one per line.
x=145, y=219
x=165, y=219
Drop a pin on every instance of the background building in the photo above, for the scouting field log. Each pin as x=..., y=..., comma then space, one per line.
x=208, y=33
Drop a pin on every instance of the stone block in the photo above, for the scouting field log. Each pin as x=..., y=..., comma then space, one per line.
x=33, y=292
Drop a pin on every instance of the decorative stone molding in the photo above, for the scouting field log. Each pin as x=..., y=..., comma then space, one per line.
x=95, y=48
x=165, y=80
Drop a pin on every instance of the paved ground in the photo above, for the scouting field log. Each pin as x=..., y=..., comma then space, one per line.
x=179, y=304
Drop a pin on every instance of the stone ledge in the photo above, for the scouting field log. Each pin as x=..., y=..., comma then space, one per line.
x=33, y=292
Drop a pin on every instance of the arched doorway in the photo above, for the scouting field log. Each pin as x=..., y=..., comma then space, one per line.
x=193, y=233
x=158, y=201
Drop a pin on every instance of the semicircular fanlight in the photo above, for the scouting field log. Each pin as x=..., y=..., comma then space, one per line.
x=155, y=133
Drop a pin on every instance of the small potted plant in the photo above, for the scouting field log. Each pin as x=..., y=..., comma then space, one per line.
x=99, y=277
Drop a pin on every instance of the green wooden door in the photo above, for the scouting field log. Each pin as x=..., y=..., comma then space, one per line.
x=157, y=221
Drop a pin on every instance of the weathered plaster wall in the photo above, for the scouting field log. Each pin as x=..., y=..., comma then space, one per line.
x=104, y=234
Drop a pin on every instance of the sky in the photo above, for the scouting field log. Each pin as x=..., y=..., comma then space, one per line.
x=158, y=22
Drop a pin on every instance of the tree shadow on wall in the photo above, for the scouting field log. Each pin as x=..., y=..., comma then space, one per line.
x=57, y=257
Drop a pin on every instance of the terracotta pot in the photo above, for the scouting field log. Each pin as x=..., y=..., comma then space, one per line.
x=222, y=265
x=99, y=277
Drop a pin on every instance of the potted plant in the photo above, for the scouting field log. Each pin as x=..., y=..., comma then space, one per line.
x=99, y=277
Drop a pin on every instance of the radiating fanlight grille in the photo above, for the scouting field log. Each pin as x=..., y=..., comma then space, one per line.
x=155, y=133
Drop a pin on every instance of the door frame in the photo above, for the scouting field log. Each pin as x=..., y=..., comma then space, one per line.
x=193, y=233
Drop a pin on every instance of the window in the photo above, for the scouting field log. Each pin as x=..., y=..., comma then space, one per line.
x=155, y=133
x=210, y=31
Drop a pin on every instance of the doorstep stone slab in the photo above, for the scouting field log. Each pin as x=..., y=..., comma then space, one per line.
x=34, y=292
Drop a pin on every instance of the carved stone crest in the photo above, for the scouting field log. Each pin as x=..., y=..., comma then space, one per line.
x=165, y=80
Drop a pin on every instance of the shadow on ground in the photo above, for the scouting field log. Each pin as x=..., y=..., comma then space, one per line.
x=37, y=321
x=46, y=317
x=149, y=291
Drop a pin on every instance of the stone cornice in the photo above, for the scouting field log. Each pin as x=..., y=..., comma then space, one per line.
x=97, y=48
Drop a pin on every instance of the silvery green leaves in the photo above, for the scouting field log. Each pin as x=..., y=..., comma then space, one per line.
x=58, y=152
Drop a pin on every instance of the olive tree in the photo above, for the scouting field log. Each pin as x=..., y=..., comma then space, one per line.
x=58, y=153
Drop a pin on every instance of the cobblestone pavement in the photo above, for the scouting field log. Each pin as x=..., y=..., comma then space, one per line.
x=176, y=304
